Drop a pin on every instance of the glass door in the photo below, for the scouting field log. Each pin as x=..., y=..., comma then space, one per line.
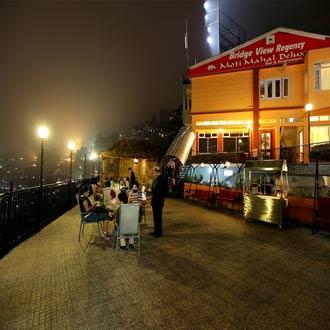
x=266, y=144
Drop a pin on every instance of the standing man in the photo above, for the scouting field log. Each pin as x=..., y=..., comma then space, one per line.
x=131, y=178
x=159, y=190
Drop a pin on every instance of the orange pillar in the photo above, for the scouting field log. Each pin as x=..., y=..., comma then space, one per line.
x=255, y=141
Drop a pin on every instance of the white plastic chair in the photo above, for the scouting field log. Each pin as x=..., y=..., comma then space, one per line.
x=129, y=224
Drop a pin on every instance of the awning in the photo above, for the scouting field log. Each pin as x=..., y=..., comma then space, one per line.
x=181, y=145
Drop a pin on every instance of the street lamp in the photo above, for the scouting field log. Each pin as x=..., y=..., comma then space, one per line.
x=309, y=107
x=92, y=157
x=43, y=133
x=71, y=146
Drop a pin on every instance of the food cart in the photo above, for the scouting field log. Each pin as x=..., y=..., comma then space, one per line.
x=265, y=190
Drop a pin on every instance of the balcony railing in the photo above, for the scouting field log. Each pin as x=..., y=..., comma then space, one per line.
x=24, y=212
x=299, y=154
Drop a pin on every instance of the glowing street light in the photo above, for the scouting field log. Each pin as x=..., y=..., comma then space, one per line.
x=309, y=107
x=43, y=133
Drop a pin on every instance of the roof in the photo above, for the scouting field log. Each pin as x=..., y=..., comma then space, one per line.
x=133, y=149
x=281, y=45
x=233, y=157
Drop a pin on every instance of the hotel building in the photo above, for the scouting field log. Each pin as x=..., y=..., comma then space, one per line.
x=265, y=96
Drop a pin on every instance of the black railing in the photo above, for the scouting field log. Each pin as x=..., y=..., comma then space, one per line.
x=24, y=212
x=304, y=153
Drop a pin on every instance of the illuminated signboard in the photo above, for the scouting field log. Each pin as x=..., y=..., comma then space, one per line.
x=276, y=47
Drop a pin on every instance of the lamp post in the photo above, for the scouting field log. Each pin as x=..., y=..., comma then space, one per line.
x=309, y=107
x=71, y=146
x=85, y=166
x=92, y=157
x=43, y=133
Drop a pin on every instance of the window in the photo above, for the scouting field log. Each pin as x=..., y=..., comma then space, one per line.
x=187, y=101
x=208, y=143
x=274, y=88
x=320, y=134
x=233, y=141
x=322, y=76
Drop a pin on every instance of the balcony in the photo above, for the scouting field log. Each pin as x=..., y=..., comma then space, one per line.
x=210, y=270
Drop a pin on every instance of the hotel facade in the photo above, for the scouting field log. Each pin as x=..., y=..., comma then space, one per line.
x=265, y=96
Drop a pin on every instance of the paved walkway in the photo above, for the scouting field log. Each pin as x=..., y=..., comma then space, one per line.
x=211, y=270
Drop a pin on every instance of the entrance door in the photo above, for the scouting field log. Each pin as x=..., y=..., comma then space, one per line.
x=266, y=144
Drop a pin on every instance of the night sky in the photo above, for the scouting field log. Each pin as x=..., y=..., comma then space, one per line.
x=88, y=67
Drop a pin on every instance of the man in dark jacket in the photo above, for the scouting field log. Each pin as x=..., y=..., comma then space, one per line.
x=159, y=190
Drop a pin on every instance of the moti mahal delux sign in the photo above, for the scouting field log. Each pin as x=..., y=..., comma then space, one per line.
x=273, y=49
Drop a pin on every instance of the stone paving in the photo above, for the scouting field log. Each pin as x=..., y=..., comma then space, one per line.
x=211, y=270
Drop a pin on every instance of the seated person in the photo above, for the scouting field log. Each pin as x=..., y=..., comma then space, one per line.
x=137, y=196
x=102, y=213
x=122, y=196
x=107, y=183
x=98, y=191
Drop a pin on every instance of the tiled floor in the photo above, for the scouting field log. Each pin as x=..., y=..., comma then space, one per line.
x=211, y=270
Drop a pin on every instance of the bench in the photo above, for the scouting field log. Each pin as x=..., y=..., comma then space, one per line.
x=202, y=195
x=225, y=197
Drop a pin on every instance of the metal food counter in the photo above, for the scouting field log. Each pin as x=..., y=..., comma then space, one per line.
x=265, y=190
x=263, y=208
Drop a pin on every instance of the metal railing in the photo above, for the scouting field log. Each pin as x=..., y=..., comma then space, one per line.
x=24, y=212
x=299, y=154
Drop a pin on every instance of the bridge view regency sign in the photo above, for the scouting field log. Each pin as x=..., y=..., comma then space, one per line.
x=277, y=47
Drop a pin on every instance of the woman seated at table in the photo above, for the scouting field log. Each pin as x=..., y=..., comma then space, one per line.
x=103, y=214
x=97, y=191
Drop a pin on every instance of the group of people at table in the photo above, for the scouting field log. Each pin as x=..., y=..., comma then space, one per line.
x=107, y=201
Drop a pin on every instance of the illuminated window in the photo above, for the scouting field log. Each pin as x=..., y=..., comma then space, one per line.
x=322, y=76
x=235, y=141
x=208, y=143
x=274, y=88
x=320, y=134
